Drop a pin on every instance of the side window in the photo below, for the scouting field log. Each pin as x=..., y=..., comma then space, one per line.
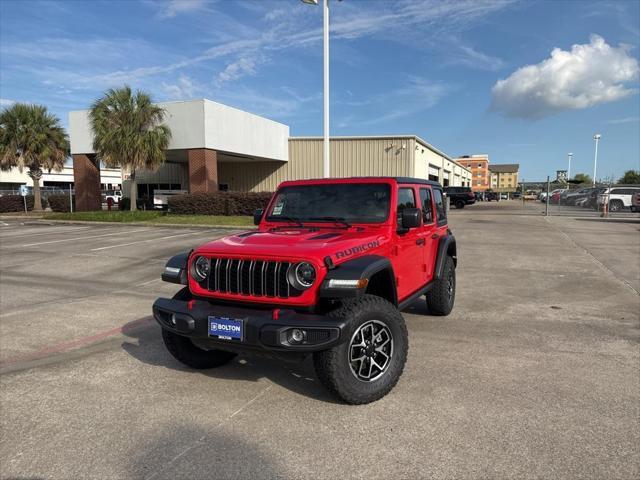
x=441, y=215
x=406, y=199
x=427, y=207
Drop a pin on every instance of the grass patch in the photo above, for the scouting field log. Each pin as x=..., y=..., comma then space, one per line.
x=150, y=217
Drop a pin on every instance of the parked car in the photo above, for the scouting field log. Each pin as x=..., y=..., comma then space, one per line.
x=515, y=195
x=320, y=278
x=571, y=197
x=114, y=195
x=460, y=196
x=490, y=195
x=635, y=202
x=554, y=196
x=543, y=195
x=591, y=200
x=504, y=196
x=619, y=198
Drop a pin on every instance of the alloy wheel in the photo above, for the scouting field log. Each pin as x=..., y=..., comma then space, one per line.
x=370, y=351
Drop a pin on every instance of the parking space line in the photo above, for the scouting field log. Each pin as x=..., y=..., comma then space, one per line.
x=48, y=232
x=88, y=237
x=145, y=241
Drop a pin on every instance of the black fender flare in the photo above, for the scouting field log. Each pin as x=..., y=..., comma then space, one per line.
x=175, y=270
x=359, y=268
x=446, y=247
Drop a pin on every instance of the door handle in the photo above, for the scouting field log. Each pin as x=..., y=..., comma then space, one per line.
x=420, y=241
x=435, y=236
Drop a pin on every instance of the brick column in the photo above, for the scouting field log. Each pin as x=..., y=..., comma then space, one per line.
x=86, y=179
x=203, y=170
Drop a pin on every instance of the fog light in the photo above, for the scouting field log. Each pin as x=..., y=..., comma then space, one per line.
x=296, y=336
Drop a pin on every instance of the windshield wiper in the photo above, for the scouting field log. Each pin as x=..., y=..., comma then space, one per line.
x=288, y=219
x=341, y=220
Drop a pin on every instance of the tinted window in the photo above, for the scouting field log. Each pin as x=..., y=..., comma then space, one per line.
x=441, y=215
x=406, y=199
x=427, y=207
x=353, y=202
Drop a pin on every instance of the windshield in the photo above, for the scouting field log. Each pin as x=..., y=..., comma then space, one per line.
x=331, y=202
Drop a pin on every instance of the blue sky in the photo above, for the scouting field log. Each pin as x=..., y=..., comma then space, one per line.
x=524, y=81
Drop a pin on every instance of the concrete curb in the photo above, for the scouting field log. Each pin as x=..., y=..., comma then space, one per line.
x=45, y=221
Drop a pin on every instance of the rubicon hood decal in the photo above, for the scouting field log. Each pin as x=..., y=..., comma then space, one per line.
x=347, y=252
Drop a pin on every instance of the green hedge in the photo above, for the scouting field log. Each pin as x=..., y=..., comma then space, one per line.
x=219, y=203
x=60, y=202
x=15, y=203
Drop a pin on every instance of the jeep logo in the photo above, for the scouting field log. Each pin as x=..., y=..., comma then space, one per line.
x=357, y=249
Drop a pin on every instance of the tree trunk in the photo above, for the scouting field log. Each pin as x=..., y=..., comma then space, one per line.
x=134, y=192
x=37, y=198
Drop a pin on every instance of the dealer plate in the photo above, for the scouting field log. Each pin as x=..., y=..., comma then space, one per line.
x=226, y=328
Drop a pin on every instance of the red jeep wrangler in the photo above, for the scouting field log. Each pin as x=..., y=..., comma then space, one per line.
x=326, y=273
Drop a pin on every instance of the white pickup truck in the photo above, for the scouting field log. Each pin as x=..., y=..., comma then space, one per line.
x=161, y=198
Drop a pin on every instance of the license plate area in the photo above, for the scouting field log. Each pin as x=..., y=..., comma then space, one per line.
x=224, y=328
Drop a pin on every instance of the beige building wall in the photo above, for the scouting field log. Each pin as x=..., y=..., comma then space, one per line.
x=350, y=157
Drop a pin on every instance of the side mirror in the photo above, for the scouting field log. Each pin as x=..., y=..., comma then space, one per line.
x=257, y=216
x=410, y=218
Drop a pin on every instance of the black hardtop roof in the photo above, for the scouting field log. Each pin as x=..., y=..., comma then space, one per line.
x=420, y=181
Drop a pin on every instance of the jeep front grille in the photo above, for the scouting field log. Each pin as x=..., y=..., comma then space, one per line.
x=257, y=278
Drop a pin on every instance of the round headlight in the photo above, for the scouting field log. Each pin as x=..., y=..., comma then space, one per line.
x=302, y=276
x=201, y=268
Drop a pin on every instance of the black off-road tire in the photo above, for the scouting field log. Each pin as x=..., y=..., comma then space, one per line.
x=441, y=297
x=460, y=204
x=185, y=351
x=333, y=366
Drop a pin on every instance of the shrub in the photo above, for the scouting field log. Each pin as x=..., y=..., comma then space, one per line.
x=219, y=203
x=60, y=202
x=15, y=203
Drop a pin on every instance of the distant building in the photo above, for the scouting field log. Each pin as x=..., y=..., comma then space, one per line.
x=217, y=147
x=479, y=166
x=10, y=180
x=504, y=177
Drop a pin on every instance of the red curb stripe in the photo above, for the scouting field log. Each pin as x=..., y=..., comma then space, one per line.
x=79, y=342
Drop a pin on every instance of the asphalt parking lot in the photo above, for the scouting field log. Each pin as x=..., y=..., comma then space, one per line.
x=535, y=374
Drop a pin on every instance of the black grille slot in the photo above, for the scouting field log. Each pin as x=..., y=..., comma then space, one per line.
x=245, y=277
x=270, y=279
x=250, y=277
x=317, y=336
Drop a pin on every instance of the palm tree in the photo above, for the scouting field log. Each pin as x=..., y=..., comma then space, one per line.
x=32, y=138
x=128, y=133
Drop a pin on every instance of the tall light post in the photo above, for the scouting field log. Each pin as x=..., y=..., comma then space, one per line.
x=596, y=137
x=569, y=169
x=326, y=171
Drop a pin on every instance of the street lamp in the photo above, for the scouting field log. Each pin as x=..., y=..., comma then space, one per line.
x=596, y=137
x=569, y=170
x=325, y=41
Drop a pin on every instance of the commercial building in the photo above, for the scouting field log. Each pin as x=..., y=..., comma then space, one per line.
x=479, y=167
x=11, y=180
x=214, y=146
x=504, y=177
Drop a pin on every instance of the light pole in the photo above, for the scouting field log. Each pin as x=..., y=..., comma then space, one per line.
x=326, y=171
x=569, y=169
x=596, y=137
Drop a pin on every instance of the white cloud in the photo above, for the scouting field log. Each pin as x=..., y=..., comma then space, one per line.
x=619, y=121
x=244, y=65
x=417, y=95
x=5, y=102
x=469, y=57
x=184, y=89
x=587, y=75
x=175, y=7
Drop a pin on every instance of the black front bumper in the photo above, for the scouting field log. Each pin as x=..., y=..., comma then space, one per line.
x=262, y=330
